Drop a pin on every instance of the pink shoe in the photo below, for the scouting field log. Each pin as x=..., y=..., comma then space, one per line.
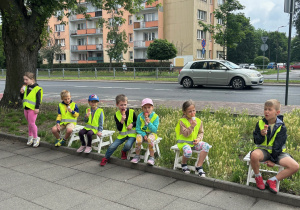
x=271, y=185
x=81, y=149
x=88, y=150
x=123, y=155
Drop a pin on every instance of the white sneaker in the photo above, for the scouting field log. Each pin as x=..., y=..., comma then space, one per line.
x=36, y=142
x=30, y=140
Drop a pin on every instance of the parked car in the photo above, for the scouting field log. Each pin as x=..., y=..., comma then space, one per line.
x=295, y=66
x=244, y=66
x=218, y=72
x=271, y=65
x=281, y=66
x=252, y=66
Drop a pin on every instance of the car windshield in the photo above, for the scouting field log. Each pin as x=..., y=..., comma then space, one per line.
x=230, y=64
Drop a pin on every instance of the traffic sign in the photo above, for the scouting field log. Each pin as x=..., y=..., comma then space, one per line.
x=203, y=51
x=264, y=47
x=264, y=39
x=203, y=43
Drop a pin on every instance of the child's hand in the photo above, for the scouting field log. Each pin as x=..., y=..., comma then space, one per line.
x=196, y=141
x=36, y=111
x=123, y=117
x=269, y=163
x=145, y=138
x=99, y=133
x=22, y=90
x=69, y=109
x=58, y=126
x=264, y=131
x=129, y=127
x=193, y=123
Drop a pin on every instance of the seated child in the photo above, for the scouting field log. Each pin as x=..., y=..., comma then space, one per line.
x=126, y=122
x=66, y=119
x=94, y=119
x=146, y=128
x=189, y=135
x=270, y=138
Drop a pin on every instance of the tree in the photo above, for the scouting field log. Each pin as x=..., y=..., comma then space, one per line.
x=261, y=60
x=161, y=49
x=295, y=54
x=227, y=32
x=297, y=16
x=23, y=23
x=2, y=56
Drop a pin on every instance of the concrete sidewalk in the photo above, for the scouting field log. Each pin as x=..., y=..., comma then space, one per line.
x=51, y=178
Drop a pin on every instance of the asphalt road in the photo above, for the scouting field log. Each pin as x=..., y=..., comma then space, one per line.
x=107, y=90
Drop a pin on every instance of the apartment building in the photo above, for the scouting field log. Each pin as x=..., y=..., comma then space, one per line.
x=174, y=20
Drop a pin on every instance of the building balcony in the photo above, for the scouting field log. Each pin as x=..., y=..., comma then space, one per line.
x=145, y=25
x=153, y=5
x=98, y=59
x=93, y=15
x=142, y=44
x=89, y=47
x=88, y=31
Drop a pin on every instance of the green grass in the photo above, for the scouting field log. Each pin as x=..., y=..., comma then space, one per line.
x=271, y=71
x=230, y=136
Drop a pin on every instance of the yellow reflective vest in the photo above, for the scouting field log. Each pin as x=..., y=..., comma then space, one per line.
x=181, y=139
x=66, y=116
x=265, y=145
x=125, y=132
x=30, y=99
x=93, y=124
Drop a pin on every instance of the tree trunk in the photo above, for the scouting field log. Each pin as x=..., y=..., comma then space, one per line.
x=22, y=44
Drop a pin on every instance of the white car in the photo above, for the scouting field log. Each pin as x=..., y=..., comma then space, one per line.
x=252, y=66
x=218, y=72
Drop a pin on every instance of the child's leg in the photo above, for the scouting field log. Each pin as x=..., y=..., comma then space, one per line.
x=290, y=165
x=138, y=144
x=69, y=130
x=26, y=116
x=203, y=147
x=128, y=144
x=89, y=135
x=81, y=136
x=151, y=139
x=55, y=132
x=113, y=147
x=187, y=153
x=31, y=118
x=256, y=156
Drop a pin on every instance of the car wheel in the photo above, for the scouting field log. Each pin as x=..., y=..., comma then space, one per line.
x=237, y=83
x=187, y=82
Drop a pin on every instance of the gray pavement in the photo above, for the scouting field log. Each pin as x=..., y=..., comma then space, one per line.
x=58, y=178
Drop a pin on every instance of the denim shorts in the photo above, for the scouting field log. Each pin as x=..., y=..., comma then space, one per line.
x=267, y=156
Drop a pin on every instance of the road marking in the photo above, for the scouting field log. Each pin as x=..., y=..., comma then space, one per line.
x=110, y=87
x=132, y=88
x=162, y=89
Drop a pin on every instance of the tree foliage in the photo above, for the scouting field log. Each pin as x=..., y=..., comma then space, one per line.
x=227, y=32
x=161, y=49
x=261, y=60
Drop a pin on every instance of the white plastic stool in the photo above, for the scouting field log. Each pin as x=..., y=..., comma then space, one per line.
x=178, y=159
x=131, y=152
x=251, y=172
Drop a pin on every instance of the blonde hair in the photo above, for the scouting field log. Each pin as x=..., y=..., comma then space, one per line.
x=273, y=102
x=120, y=98
x=187, y=104
x=64, y=93
x=30, y=75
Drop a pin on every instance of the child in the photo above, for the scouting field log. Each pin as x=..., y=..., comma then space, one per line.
x=32, y=96
x=270, y=138
x=94, y=119
x=146, y=128
x=126, y=123
x=66, y=119
x=189, y=135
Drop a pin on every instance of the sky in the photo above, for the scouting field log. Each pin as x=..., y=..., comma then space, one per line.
x=267, y=15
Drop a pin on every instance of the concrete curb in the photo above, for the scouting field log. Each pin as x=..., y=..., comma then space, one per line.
x=209, y=182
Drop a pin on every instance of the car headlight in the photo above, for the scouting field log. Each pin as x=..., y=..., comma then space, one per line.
x=253, y=75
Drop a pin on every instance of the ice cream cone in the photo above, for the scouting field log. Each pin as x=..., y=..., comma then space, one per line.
x=123, y=111
x=24, y=86
x=266, y=126
x=193, y=118
x=146, y=114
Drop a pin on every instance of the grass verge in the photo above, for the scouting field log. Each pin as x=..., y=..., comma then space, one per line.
x=230, y=136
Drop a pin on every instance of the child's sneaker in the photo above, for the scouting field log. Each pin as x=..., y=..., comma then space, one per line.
x=123, y=155
x=103, y=161
x=36, y=142
x=260, y=182
x=271, y=185
x=81, y=149
x=200, y=171
x=56, y=141
x=61, y=142
x=186, y=170
x=30, y=140
x=136, y=159
x=88, y=150
x=151, y=161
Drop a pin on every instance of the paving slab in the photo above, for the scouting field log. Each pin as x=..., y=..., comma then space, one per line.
x=15, y=161
x=270, y=205
x=29, y=151
x=120, y=173
x=92, y=167
x=49, y=155
x=55, y=173
x=19, y=203
x=33, y=167
x=100, y=203
x=5, y=154
x=13, y=179
x=5, y=195
x=186, y=190
x=187, y=204
x=5, y=170
x=70, y=160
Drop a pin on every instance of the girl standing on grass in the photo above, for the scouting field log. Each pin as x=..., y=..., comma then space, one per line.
x=189, y=135
x=31, y=94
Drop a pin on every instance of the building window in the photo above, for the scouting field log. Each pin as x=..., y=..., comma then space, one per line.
x=60, y=42
x=81, y=26
x=81, y=41
x=60, y=57
x=130, y=55
x=210, y=17
x=220, y=21
x=211, y=2
x=201, y=34
x=82, y=57
x=130, y=37
x=220, y=2
x=220, y=55
x=150, y=17
x=201, y=15
x=59, y=27
x=149, y=36
x=130, y=20
x=200, y=55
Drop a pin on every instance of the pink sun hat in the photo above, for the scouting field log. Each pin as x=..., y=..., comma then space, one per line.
x=147, y=101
